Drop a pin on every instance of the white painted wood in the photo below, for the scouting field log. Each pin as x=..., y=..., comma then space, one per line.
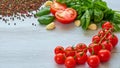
x=27, y=46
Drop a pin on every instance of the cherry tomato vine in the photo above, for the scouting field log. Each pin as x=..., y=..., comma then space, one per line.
x=100, y=49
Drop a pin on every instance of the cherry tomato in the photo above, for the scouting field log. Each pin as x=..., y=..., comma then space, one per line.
x=81, y=47
x=66, y=16
x=93, y=61
x=59, y=49
x=104, y=55
x=103, y=32
x=96, y=39
x=107, y=45
x=81, y=58
x=107, y=25
x=70, y=62
x=59, y=58
x=113, y=39
x=55, y=6
x=70, y=51
x=94, y=48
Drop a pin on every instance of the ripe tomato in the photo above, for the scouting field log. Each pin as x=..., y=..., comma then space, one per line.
x=81, y=47
x=93, y=61
x=96, y=39
x=81, y=58
x=104, y=55
x=107, y=45
x=66, y=16
x=113, y=39
x=102, y=33
x=107, y=25
x=94, y=48
x=70, y=62
x=59, y=49
x=55, y=6
x=59, y=58
x=70, y=51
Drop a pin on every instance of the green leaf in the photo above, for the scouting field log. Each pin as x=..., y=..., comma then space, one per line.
x=108, y=14
x=116, y=27
x=100, y=5
x=43, y=11
x=46, y=19
x=98, y=15
x=116, y=18
x=85, y=20
x=61, y=1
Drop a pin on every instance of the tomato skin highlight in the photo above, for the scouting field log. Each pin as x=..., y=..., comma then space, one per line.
x=93, y=61
x=70, y=62
x=55, y=6
x=104, y=55
x=59, y=49
x=113, y=39
x=59, y=58
x=66, y=16
x=81, y=47
x=81, y=58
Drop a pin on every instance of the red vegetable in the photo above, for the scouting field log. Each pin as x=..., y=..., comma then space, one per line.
x=66, y=16
x=81, y=58
x=107, y=45
x=104, y=55
x=94, y=48
x=93, y=61
x=59, y=58
x=55, y=6
x=70, y=51
x=70, y=62
x=107, y=25
x=59, y=49
x=113, y=39
x=81, y=47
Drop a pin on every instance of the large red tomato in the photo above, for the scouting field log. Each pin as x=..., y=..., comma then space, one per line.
x=66, y=16
x=55, y=6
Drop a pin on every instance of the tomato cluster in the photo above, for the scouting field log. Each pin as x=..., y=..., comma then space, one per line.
x=62, y=13
x=99, y=49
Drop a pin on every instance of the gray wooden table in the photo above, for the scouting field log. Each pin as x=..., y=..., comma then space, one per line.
x=27, y=46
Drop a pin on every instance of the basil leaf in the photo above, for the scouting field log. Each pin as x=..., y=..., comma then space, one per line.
x=108, y=14
x=46, y=19
x=116, y=18
x=100, y=5
x=43, y=11
x=116, y=27
x=98, y=15
x=85, y=20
